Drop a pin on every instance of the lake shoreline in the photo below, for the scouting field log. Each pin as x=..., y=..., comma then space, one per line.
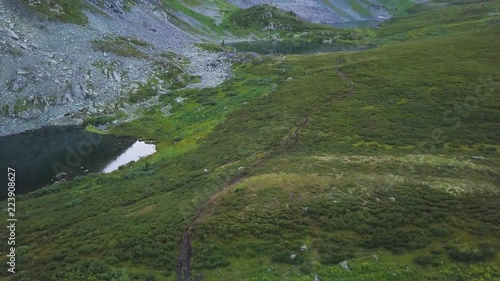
x=58, y=153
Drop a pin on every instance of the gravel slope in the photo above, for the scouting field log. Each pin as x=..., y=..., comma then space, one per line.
x=50, y=70
x=51, y=75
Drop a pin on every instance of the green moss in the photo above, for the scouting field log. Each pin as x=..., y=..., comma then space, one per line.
x=213, y=47
x=120, y=45
x=261, y=17
x=64, y=10
x=128, y=4
x=10, y=50
x=5, y=110
x=207, y=24
x=100, y=120
x=21, y=105
x=144, y=92
x=359, y=8
x=93, y=129
x=170, y=73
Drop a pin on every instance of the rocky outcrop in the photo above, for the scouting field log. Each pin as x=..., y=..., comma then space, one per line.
x=47, y=58
x=344, y=265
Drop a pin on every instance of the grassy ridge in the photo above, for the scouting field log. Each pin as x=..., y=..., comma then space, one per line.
x=266, y=21
x=342, y=209
x=98, y=203
x=263, y=16
x=120, y=45
x=262, y=219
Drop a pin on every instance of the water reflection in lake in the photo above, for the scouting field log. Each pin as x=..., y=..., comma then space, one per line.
x=293, y=47
x=43, y=156
x=138, y=150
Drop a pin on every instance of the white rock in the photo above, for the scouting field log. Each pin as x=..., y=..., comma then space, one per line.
x=12, y=34
x=61, y=175
x=117, y=76
x=22, y=72
x=344, y=265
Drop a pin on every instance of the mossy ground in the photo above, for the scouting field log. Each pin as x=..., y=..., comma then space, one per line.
x=351, y=154
x=210, y=47
x=71, y=11
x=120, y=45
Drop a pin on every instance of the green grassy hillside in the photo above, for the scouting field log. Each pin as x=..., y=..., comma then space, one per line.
x=387, y=158
x=267, y=17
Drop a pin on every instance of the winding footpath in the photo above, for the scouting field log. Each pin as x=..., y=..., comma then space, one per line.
x=183, y=268
x=352, y=88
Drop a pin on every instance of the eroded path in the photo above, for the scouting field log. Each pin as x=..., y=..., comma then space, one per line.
x=352, y=88
x=183, y=268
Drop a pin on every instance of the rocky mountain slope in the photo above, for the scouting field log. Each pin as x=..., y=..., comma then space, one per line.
x=59, y=73
x=63, y=62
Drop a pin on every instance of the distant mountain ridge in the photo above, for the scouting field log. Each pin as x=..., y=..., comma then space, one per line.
x=214, y=11
x=331, y=12
x=110, y=51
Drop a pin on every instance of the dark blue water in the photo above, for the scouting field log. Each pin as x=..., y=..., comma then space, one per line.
x=39, y=155
x=292, y=47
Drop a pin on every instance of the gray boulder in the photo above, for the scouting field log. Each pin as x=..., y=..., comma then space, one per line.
x=65, y=121
x=344, y=265
x=18, y=83
x=117, y=76
x=79, y=92
x=12, y=34
x=30, y=114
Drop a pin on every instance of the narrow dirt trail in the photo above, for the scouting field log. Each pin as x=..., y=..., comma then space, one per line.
x=352, y=88
x=183, y=268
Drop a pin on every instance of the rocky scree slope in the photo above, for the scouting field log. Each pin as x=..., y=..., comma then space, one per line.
x=60, y=73
x=65, y=61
